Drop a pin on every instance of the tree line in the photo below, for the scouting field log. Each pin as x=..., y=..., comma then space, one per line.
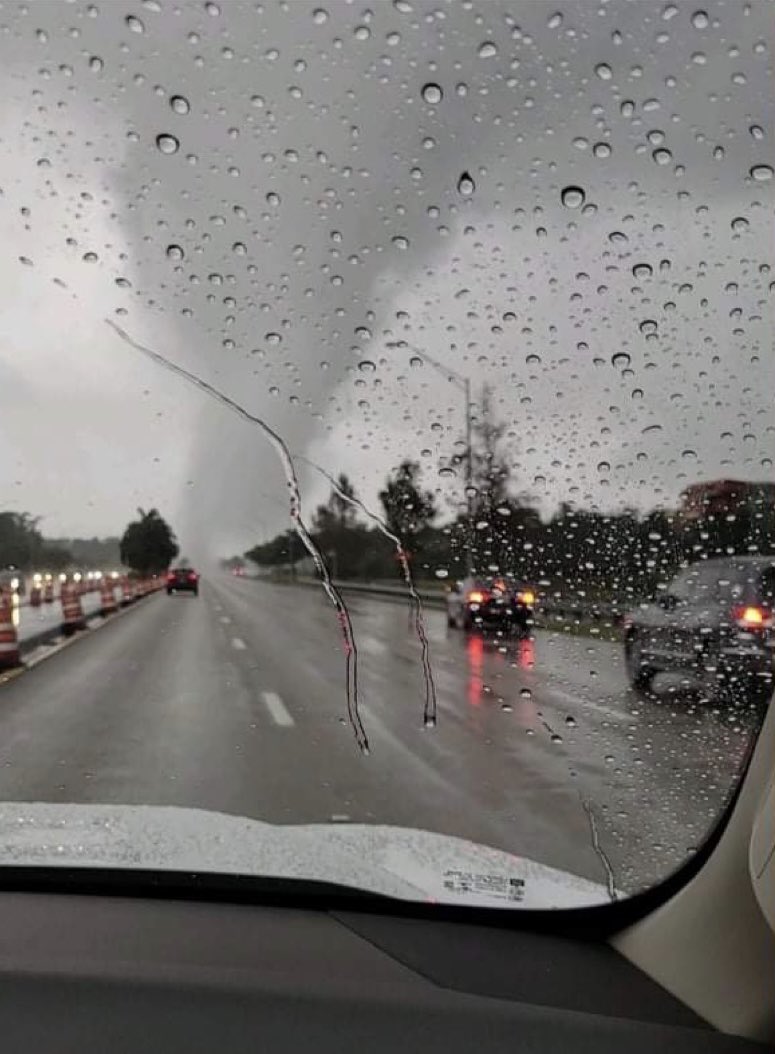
x=493, y=529
x=147, y=546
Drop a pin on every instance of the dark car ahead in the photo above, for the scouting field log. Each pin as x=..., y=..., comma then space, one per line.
x=713, y=624
x=182, y=580
x=500, y=603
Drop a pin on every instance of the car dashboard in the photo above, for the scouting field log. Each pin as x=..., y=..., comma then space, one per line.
x=96, y=973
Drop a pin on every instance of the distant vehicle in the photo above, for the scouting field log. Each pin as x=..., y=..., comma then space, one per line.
x=182, y=580
x=714, y=623
x=491, y=603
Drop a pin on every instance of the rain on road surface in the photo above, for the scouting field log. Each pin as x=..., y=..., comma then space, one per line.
x=235, y=701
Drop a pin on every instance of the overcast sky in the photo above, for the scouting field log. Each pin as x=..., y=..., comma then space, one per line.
x=265, y=194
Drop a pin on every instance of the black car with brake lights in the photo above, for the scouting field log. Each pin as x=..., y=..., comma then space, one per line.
x=499, y=603
x=182, y=580
x=713, y=625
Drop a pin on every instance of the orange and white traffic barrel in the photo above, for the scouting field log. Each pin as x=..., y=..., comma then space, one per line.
x=108, y=603
x=9, y=640
x=127, y=596
x=72, y=609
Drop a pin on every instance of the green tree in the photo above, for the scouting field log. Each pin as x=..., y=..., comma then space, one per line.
x=338, y=514
x=284, y=548
x=55, y=557
x=20, y=540
x=409, y=510
x=148, y=545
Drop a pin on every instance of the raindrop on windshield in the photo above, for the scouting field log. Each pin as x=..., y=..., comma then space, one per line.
x=757, y=131
x=400, y=242
x=602, y=150
x=466, y=185
x=554, y=21
x=432, y=93
x=319, y=16
x=168, y=144
x=95, y=64
x=174, y=252
x=700, y=20
x=642, y=270
x=487, y=50
x=761, y=173
x=620, y=359
x=134, y=23
x=739, y=223
x=604, y=71
x=180, y=104
x=572, y=197
x=662, y=156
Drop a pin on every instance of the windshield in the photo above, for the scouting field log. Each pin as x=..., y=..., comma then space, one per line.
x=360, y=308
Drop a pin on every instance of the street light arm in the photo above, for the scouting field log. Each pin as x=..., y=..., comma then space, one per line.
x=449, y=373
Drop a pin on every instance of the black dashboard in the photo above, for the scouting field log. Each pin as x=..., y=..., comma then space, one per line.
x=123, y=974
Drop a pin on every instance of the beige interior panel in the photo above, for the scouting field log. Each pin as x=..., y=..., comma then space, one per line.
x=711, y=944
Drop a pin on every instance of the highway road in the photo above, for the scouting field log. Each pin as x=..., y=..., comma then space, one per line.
x=235, y=701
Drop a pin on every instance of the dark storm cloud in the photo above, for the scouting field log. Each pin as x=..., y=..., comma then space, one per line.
x=285, y=201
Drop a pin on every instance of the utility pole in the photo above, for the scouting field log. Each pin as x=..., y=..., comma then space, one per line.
x=469, y=476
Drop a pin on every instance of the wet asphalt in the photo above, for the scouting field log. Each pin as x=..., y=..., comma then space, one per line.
x=236, y=701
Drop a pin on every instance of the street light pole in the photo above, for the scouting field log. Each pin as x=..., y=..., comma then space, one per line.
x=464, y=383
x=469, y=478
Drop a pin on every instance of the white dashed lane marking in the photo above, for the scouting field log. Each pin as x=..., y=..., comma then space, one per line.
x=238, y=644
x=277, y=710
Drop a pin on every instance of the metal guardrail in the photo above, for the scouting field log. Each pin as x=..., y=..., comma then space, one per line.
x=547, y=609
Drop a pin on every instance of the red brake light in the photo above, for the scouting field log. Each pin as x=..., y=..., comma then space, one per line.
x=192, y=576
x=170, y=576
x=751, y=616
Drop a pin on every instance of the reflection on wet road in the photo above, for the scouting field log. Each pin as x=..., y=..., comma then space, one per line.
x=235, y=701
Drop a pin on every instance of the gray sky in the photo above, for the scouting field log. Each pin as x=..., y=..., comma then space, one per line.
x=316, y=197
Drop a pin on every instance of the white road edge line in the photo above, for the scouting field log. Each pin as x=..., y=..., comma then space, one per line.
x=277, y=710
x=238, y=644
